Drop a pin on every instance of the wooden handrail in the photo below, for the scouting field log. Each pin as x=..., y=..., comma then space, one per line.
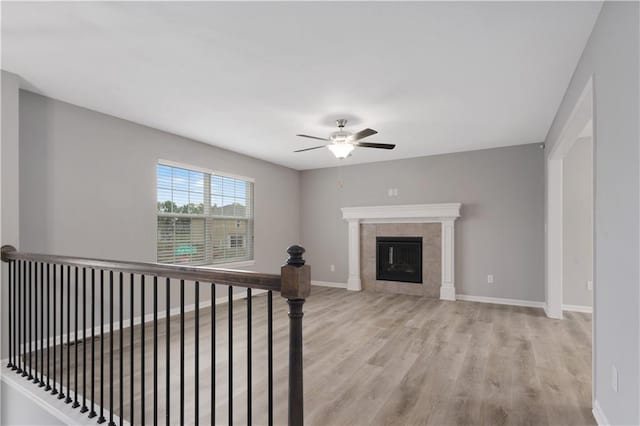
x=293, y=283
x=236, y=278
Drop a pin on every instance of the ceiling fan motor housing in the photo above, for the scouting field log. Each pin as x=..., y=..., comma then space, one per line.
x=340, y=136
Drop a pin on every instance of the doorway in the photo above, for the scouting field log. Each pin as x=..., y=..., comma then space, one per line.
x=580, y=126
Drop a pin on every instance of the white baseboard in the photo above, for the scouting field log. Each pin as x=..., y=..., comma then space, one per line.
x=328, y=284
x=49, y=403
x=137, y=320
x=578, y=308
x=500, y=301
x=598, y=414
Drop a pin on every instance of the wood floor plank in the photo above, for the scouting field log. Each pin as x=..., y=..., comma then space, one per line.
x=381, y=359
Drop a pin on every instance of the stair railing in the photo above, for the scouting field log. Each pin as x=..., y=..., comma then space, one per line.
x=48, y=328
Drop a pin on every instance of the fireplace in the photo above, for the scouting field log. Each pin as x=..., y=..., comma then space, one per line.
x=399, y=259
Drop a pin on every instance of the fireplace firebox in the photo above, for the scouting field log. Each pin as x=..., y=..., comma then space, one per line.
x=399, y=259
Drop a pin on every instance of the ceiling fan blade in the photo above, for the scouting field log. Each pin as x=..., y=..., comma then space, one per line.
x=362, y=134
x=375, y=145
x=309, y=149
x=313, y=137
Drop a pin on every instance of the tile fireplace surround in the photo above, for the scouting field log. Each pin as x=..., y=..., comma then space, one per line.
x=404, y=220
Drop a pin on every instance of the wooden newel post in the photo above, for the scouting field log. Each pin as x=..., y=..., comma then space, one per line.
x=296, y=285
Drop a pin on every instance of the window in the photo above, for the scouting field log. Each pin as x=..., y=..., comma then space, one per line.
x=236, y=241
x=203, y=217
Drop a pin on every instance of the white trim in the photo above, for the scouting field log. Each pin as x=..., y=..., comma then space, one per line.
x=581, y=116
x=444, y=213
x=57, y=408
x=416, y=212
x=598, y=414
x=328, y=284
x=500, y=301
x=447, y=288
x=203, y=170
x=137, y=320
x=353, y=282
x=577, y=308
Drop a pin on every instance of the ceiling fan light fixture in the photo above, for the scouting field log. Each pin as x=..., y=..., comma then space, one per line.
x=341, y=150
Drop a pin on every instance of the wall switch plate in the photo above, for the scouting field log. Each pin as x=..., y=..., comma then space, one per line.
x=490, y=278
x=590, y=285
x=332, y=268
x=390, y=192
x=395, y=192
x=614, y=378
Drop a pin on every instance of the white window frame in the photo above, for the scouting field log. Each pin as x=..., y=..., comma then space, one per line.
x=241, y=238
x=207, y=206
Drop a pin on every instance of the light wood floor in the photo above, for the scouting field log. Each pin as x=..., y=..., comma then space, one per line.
x=375, y=358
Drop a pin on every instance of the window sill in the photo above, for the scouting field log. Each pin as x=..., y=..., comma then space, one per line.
x=231, y=265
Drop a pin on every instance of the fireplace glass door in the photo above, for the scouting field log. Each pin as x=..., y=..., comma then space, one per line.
x=399, y=259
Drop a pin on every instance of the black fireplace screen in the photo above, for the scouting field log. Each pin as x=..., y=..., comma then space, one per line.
x=399, y=259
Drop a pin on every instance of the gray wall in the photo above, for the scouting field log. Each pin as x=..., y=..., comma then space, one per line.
x=577, y=225
x=501, y=231
x=88, y=185
x=9, y=207
x=612, y=57
x=88, y=188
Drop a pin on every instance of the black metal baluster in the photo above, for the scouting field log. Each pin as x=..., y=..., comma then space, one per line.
x=197, y=355
x=142, y=360
x=35, y=319
x=155, y=350
x=270, y=354
x=93, y=413
x=14, y=303
x=30, y=322
x=17, y=294
x=248, y=356
x=121, y=357
x=111, y=423
x=18, y=363
x=42, y=384
x=36, y=380
x=68, y=399
x=10, y=267
x=54, y=390
x=213, y=354
x=16, y=316
x=61, y=394
x=24, y=320
x=48, y=387
x=168, y=350
x=84, y=408
x=76, y=404
x=132, y=412
x=230, y=355
x=101, y=418
x=181, y=352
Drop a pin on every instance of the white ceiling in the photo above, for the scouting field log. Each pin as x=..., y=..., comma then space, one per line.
x=430, y=77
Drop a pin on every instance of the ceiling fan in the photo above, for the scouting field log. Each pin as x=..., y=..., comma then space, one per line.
x=342, y=143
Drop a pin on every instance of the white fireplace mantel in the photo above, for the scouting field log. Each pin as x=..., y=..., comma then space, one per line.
x=444, y=213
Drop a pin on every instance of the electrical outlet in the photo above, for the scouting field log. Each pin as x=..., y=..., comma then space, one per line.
x=395, y=192
x=614, y=378
x=490, y=278
x=332, y=268
x=590, y=285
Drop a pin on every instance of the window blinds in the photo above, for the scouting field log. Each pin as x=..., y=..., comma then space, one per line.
x=203, y=218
